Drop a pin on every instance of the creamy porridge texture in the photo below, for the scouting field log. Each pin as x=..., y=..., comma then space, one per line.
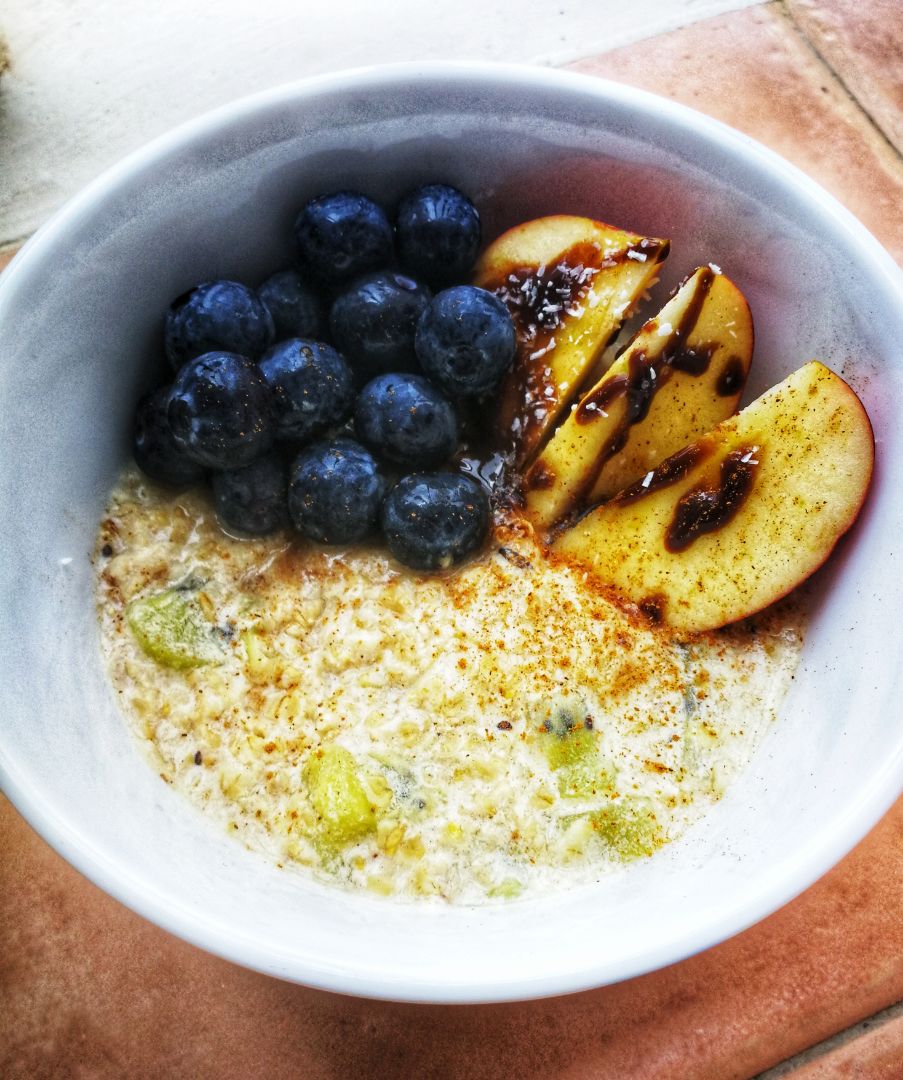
x=511, y=608
x=495, y=730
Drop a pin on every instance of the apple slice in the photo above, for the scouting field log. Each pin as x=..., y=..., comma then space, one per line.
x=569, y=283
x=737, y=519
x=682, y=374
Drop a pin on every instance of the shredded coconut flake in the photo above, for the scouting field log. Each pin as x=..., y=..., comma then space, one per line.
x=542, y=352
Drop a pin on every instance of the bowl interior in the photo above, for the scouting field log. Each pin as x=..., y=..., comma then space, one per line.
x=80, y=319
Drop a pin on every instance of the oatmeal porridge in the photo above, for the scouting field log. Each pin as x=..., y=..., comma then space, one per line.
x=496, y=730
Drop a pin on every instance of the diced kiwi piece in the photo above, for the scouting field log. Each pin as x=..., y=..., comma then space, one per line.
x=338, y=796
x=628, y=827
x=171, y=628
x=572, y=748
x=564, y=715
x=585, y=779
x=506, y=889
x=572, y=751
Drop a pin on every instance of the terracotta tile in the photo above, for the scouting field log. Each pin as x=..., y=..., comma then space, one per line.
x=89, y=989
x=877, y=1055
x=753, y=70
x=862, y=42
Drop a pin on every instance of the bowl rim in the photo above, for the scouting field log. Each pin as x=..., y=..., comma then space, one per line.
x=817, y=857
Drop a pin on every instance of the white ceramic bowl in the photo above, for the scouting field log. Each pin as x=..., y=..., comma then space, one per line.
x=80, y=313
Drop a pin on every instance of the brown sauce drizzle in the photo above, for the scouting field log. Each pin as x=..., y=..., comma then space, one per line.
x=669, y=472
x=694, y=361
x=731, y=378
x=646, y=375
x=539, y=299
x=540, y=478
x=653, y=607
x=479, y=456
x=599, y=401
x=708, y=509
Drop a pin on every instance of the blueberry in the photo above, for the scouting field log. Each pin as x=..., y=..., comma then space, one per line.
x=438, y=232
x=216, y=315
x=155, y=448
x=432, y=520
x=312, y=387
x=343, y=235
x=465, y=341
x=374, y=322
x=335, y=491
x=253, y=499
x=220, y=411
x=407, y=420
x=294, y=306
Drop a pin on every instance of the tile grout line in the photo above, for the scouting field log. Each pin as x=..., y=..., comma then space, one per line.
x=787, y=13
x=9, y=246
x=847, y=1035
x=821, y=1051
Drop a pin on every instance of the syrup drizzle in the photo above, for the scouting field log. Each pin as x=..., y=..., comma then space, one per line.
x=669, y=472
x=731, y=378
x=707, y=509
x=540, y=299
x=646, y=374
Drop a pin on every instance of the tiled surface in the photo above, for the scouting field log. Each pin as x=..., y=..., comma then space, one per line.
x=875, y=1056
x=870, y=1049
x=754, y=70
x=86, y=85
x=88, y=989
x=864, y=42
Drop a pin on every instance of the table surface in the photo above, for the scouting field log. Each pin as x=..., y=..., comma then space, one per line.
x=89, y=989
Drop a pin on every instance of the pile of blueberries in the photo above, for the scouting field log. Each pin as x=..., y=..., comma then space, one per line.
x=329, y=397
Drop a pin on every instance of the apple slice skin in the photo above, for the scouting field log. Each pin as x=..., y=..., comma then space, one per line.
x=569, y=283
x=738, y=519
x=682, y=373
